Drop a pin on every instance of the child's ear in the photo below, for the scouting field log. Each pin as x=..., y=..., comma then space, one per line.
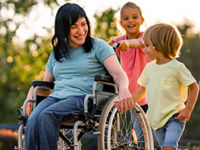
x=142, y=20
x=120, y=22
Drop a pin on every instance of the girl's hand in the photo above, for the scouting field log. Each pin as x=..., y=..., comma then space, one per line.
x=111, y=42
x=123, y=45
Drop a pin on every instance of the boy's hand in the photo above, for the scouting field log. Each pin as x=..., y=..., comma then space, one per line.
x=184, y=115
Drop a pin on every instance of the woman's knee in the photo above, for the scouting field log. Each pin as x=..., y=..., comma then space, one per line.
x=46, y=117
x=32, y=124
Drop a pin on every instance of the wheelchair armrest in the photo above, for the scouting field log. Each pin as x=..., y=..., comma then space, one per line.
x=104, y=78
x=21, y=117
x=49, y=85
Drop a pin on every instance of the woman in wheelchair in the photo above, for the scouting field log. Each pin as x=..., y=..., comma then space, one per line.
x=75, y=60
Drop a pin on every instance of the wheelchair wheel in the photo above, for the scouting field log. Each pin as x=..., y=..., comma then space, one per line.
x=68, y=134
x=21, y=140
x=86, y=141
x=118, y=131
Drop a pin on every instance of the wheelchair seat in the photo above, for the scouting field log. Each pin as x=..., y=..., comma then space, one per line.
x=45, y=88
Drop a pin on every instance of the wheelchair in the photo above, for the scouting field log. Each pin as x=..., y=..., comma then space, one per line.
x=114, y=131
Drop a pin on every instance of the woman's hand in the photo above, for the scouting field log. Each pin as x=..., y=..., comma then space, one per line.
x=29, y=105
x=47, y=77
x=125, y=102
x=29, y=108
x=128, y=103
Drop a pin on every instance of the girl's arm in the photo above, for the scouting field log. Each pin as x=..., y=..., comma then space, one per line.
x=192, y=98
x=132, y=43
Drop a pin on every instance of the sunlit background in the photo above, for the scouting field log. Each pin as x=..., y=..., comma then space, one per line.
x=172, y=11
x=26, y=29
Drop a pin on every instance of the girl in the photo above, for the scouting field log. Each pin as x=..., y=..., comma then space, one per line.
x=131, y=53
x=131, y=47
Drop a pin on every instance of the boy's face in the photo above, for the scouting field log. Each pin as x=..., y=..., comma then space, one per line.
x=150, y=50
x=131, y=20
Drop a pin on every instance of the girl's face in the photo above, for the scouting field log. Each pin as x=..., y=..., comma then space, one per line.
x=131, y=20
x=78, y=33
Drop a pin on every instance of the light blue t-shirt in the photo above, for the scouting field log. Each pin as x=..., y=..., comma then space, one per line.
x=75, y=75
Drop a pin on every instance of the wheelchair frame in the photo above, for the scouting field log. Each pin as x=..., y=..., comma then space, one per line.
x=114, y=130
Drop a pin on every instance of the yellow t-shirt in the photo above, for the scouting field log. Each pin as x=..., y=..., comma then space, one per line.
x=166, y=87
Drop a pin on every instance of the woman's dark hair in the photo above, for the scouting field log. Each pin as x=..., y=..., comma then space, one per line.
x=67, y=16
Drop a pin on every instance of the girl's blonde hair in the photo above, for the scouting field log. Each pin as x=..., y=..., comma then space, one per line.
x=165, y=38
x=131, y=5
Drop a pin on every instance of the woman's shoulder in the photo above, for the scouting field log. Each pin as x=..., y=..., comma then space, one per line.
x=100, y=45
x=52, y=55
x=97, y=42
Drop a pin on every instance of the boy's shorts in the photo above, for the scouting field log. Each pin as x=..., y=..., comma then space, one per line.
x=170, y=134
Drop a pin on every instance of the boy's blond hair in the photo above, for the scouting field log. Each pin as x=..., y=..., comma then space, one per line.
x=165, y=38
x=131, y=5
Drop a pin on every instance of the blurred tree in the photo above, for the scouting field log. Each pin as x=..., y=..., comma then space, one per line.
x=20, y=63
x=106, y=25
x=189, y=56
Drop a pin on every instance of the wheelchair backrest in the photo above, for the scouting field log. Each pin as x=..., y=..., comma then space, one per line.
x=109, y=90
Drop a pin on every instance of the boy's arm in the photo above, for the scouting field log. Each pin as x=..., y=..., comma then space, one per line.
x=192, y=98
x=137, y=96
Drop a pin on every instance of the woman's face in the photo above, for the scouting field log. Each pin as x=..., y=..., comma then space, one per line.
x=78, y=33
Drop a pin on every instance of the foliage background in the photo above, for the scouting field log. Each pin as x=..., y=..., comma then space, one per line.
x=21, y=63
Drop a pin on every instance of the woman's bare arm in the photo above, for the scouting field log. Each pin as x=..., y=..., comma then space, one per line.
x=47, y=77
x=111, y=63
